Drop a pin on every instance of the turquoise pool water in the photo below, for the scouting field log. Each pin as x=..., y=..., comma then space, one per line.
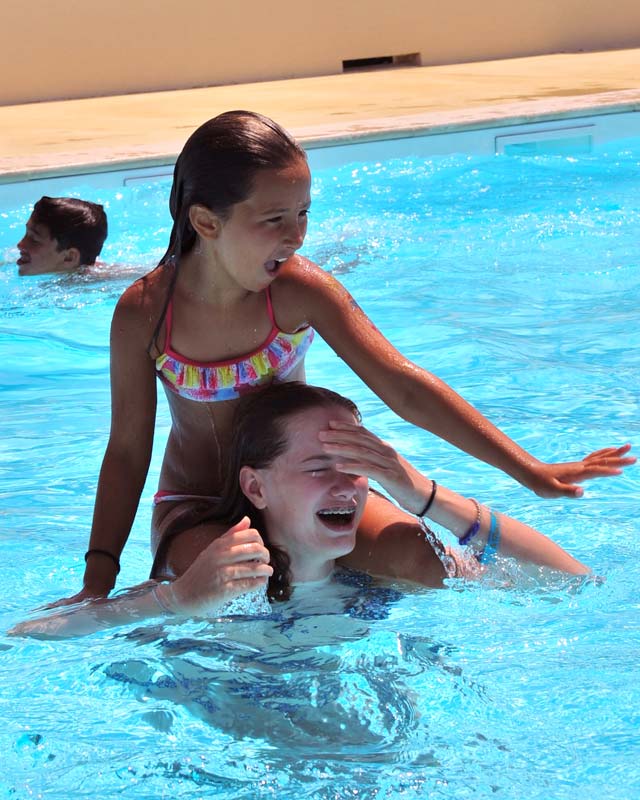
x=516, y=280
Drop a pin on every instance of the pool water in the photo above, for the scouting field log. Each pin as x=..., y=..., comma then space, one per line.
x=516, y=280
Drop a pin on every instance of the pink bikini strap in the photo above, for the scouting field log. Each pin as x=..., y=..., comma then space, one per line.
x=168, y=322
x=270, y=307
x=168, y=319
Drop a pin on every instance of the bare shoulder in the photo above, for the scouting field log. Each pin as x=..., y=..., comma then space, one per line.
x=299, y=274
x=306, y=294
x=145, y=292
x=141, y=304
x=303, y=290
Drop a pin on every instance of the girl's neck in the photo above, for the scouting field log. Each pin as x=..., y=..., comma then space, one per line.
x=312, y=584
x=200, y=279
x=311, y=572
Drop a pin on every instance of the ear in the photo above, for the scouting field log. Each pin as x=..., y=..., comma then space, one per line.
x=252, y=487
x=204, y=222
x=71, y=258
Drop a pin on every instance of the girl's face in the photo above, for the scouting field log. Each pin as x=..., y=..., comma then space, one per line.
x=267, y=228
x=310, y=509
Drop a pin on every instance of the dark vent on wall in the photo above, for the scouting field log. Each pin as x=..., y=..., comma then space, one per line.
x=381, y=62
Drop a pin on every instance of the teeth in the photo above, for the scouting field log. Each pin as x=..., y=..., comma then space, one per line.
x=347, y=512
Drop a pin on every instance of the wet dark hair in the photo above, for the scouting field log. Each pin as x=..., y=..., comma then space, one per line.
x=217, y=166
x=259, y=437
x=216, y=169
x=73, y=223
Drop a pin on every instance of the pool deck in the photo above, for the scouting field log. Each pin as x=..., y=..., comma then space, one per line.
x=44, y=139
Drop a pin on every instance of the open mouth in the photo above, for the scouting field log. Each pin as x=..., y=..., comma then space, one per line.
x=337, y=518
x=273, y=265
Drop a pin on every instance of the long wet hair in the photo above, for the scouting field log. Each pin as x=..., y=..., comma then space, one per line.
x=259, y=437
x=216, y=169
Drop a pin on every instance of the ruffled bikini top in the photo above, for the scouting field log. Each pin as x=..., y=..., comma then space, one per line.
x=209, y=382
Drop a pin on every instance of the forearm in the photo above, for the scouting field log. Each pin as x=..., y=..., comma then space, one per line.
x=424, y=400
x=360, y=452
x=137, y=605
x=119, y=488
x=517, y=540
x=233, y=564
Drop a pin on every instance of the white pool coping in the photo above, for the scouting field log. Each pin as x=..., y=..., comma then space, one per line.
x=398, y=142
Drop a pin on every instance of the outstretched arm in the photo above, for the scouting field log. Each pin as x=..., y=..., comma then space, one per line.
x=233, y=564
x=306, y=293
x=363, y=453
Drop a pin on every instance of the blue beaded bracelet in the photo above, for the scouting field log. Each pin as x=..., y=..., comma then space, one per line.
x=475, y=527
x=488, y=555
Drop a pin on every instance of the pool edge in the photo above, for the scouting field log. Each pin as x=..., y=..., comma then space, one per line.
x=365, y=130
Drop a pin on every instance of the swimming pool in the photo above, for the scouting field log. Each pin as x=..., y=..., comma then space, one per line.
x=514, y=278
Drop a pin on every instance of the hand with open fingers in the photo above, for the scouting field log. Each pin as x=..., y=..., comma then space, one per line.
x=361, y=452
x=559, y=480
x=80, y=597
x=235, y=563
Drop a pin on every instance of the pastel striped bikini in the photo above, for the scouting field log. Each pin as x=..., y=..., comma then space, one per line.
x=209, y=382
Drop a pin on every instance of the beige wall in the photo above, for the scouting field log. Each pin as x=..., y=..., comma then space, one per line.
x=58, y=49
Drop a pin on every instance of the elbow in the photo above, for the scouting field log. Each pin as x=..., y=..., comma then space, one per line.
x=416, y=395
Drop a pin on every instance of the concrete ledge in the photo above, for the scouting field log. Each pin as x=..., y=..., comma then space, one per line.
x=44, y=139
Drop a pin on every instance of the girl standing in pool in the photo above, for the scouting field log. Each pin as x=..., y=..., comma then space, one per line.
x=230, y=308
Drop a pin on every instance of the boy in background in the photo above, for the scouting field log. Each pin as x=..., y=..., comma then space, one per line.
x=63, y=234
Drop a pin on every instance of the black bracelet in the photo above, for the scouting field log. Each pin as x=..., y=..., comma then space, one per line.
x=97, y=552
x=434, y=486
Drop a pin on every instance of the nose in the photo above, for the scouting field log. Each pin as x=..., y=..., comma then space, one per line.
x=345, y=486
x=295, y=233
x=20, y=244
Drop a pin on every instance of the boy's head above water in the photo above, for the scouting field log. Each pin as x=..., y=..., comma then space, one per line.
x=62, y=234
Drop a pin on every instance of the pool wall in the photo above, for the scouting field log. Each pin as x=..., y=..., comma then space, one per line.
x=128, y=47
x=566, y=135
